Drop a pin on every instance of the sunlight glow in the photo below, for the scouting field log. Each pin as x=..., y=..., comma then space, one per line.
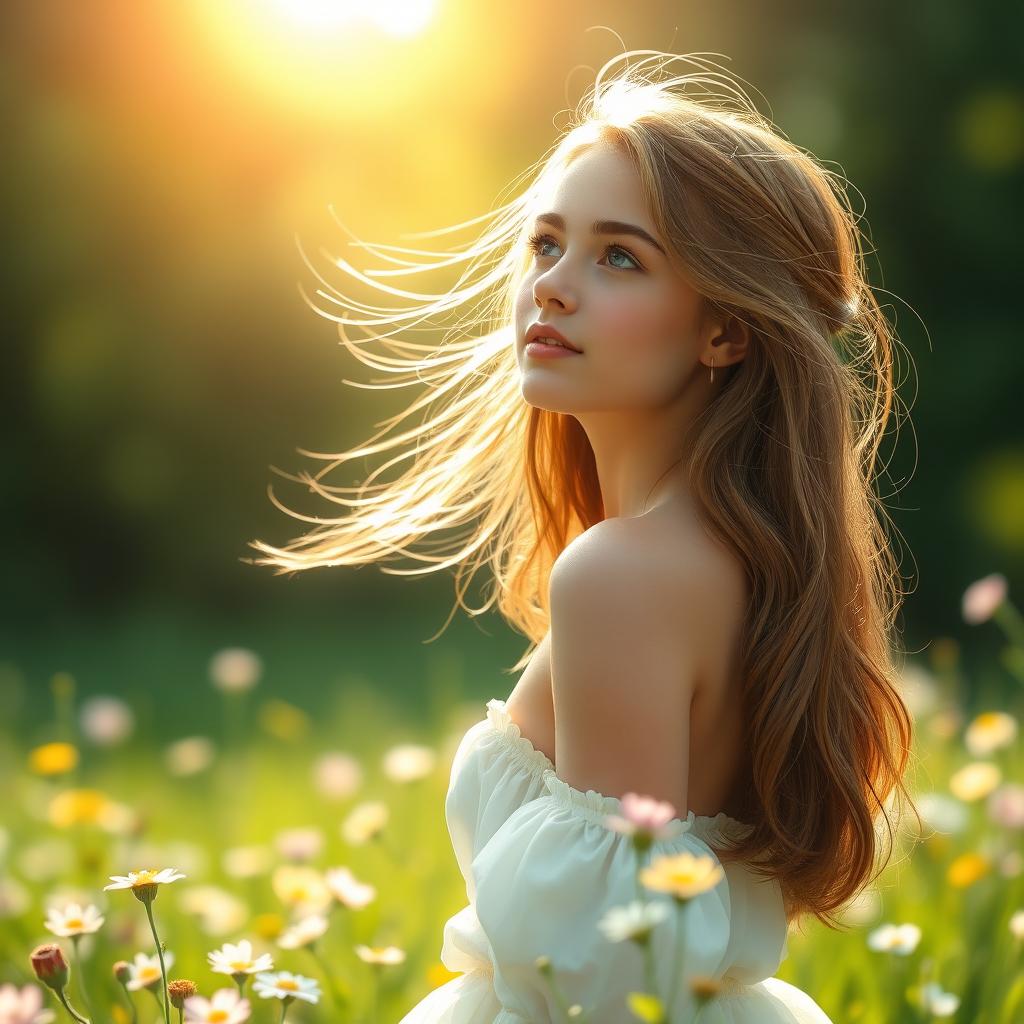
x=397, y=17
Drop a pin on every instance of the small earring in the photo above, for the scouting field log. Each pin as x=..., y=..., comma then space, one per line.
x=712, y=369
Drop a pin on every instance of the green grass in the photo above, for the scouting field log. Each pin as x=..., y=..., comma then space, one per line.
x=261, y=782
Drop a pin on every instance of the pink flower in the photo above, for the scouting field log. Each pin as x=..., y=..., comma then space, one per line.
x=23, y=1006
x=655, y=818
x=983, y=597
x=1006, y=805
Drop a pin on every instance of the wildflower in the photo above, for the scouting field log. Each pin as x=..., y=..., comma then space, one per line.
x=225, y=1007
x=122, y=971
x=337, y=775
x=285, y=985
x=235, y=669
x=438, y=974
x=409, y=762
x=347, y=889
x=219, y=911
x=301, y=844
x=1006, y=805
x=247, y=861
x=50, y=966
x=945, y=724
x=989, y=732
x=975, y=780
x=238, y=959
x=53, y=759
x=918, y=690
x=304, y=933
x=283, y=721
x=189, y=756
x=1017, y=924
x=891, y=938
x=636, y=920
x=179, y=991
x=106, y=721
x=380, y=954
x=937, y=1002
x=144, y=884
x=682, y=875
x=145, y=970
x=982, y=598
x=967, y=869
x=23, y=1006
x=73, y=920
x=646, y=819
x=300, y=887
x=942, y=813
x=364, y=822
x=87, y=807
x=268, y=926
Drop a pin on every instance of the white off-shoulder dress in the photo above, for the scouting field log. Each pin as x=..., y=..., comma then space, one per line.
x=542, y=869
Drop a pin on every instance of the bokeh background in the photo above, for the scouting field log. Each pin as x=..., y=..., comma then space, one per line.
x=170, y=168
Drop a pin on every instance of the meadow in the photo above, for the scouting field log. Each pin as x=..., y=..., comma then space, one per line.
x=303, y=869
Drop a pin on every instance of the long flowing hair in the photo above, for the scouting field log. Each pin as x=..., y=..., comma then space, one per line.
x=783, y=460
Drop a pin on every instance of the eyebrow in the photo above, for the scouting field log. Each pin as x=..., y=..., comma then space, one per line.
x=605, y=227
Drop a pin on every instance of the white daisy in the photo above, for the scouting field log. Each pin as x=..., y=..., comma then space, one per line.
x=145, y=970
x=225, y=1007
x=380, y=954
x=144, y=883
x=238, y=959
x=347, y=889
x=303, y=933
x=73, y=920
x=408, y=762
x=938, y=1002
x=633, y=921
x=285, y=985
x=901, y=939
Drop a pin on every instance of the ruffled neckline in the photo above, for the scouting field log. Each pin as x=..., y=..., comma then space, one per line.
x=719, y=828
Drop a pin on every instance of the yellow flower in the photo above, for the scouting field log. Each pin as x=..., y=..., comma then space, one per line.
x=53, y=759
x=683, y=875
x=283, y=720
x=268, y=926
x=364, y=822
x=990, y=731
x=438, y=975
x=975, y=780
x=78, y=807
x=300, y=886
x=380, y=954
x=967, y=869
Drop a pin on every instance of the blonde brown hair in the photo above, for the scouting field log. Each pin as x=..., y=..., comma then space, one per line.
x=782, y=461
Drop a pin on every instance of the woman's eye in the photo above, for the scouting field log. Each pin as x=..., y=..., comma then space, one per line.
x=538, y=242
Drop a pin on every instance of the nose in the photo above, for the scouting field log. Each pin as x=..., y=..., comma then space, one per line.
x=551, y=288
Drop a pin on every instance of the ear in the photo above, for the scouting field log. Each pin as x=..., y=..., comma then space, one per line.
x=726, y=339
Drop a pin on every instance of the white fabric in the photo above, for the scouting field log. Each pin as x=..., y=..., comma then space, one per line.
x=541, y=869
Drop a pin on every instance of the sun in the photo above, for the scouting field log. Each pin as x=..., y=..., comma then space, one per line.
x=397, y=17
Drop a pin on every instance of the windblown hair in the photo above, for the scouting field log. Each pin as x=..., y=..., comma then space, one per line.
x=782, y=462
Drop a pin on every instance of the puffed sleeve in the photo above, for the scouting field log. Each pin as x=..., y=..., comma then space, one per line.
x=545, y=880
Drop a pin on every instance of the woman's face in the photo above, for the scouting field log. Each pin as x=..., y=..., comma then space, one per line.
x=613, y=295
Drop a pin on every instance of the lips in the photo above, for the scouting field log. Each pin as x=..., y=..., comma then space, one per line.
x=539, y=331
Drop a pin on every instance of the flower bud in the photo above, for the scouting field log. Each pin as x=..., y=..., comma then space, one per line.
x=122, y=971
x=50, y=966
x=180, y=990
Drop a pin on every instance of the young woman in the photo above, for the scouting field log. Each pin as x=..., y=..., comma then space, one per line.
x=660, y=430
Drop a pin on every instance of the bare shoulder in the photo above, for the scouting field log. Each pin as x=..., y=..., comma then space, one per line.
x=666, y=563
x=632, y=601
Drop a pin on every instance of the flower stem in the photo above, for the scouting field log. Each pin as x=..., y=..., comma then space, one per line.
x=67, y=1006
x=681, y=958
x=131, y=1005
x=81, y=974
x=160, y=953
x=284, y=1007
